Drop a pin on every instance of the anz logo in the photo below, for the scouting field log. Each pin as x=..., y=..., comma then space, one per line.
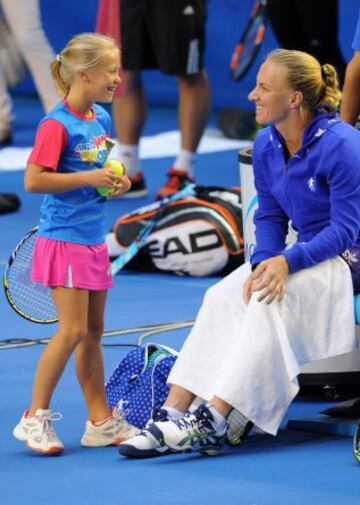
x=191, y=243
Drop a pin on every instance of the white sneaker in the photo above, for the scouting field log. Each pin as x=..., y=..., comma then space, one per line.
x=194, y=431
x=114, y=430
x=38, y=433
x=145, y=444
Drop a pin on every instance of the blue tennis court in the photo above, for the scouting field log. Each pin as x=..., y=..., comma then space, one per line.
x=296, y=467
x=293, y=468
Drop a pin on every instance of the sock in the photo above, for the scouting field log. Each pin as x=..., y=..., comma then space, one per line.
x=185, y=161
x=219, y=420
x=173, y=413
x=129, y=155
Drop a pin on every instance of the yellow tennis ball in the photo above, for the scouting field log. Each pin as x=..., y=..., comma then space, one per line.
x=118, y=169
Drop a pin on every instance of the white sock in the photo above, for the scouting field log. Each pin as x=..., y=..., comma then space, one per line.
x=129, y=155
x=219, y=419
x=173, y=413
x=185, y=161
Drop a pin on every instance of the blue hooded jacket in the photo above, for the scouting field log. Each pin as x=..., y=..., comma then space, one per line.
x=318, y=189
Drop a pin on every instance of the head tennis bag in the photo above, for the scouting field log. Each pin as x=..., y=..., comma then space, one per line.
x=137, y=387
x=199, y=235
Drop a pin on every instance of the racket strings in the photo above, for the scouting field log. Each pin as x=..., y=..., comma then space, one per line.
x=28, y=297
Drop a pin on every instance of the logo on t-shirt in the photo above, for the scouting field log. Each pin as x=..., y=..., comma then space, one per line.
x=94, y=151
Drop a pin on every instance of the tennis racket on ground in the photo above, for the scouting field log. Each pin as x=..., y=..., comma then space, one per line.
x=251, y=39
x=150, y=225
x=32, y=300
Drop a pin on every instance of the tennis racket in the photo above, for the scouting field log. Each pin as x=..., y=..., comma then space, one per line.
x=31, y=300
x=251, y=39
x=150, y=225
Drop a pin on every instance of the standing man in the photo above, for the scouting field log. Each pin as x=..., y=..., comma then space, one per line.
x=169, y=36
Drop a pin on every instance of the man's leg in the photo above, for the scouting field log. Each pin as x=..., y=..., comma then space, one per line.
x=194, y=108
x=129, y=114
x=193, y=112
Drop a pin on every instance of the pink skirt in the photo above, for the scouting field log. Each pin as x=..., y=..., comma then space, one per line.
x=57, y=263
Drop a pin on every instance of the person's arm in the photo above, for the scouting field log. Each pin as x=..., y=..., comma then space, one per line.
x=350, y=103
x=40, y=179
x=41, y=174
x=343, y=178
x=271, y=222
x=270, y=268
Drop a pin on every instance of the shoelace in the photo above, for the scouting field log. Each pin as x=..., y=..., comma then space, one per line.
x=121, y=411
x=120, y=417
x=201, y=417
x=47, y=426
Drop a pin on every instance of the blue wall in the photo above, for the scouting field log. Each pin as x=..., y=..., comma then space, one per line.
x=64, y=18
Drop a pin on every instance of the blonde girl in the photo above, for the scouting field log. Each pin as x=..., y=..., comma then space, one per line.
x=70, y=256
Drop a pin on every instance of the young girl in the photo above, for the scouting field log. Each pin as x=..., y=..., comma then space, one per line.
x=70, y=254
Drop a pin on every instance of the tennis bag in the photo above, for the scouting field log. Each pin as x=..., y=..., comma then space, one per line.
x=199, y=235
x=137, y=387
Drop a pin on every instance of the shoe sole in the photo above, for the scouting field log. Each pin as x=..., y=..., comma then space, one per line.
x=105, y=444
x=132, y=452
x=55, y=451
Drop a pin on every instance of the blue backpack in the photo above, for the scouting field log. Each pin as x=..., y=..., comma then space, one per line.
x=137, y=387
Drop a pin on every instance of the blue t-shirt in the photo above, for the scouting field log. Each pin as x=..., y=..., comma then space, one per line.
x=77, y=216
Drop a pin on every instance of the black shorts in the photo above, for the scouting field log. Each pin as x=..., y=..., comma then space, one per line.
x=163, y=34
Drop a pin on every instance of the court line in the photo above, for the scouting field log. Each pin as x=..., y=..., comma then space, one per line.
x=145, y=332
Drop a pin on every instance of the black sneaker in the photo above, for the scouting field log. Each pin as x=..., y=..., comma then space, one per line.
x=138, y=187
x=6, y=139
x=148, y=443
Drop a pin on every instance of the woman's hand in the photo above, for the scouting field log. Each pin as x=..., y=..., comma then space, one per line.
x=269, y=277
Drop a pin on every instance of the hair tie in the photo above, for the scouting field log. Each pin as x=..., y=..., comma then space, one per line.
x=58, y=58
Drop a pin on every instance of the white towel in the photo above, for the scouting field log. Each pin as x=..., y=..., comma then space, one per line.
x=250, y=356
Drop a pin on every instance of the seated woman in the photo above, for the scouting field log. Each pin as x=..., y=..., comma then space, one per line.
x=292, y=305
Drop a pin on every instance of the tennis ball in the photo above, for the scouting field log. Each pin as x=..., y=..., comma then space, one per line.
x=118, y=169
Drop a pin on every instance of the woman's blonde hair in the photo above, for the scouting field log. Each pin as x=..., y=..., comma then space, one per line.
x=82, y=52
x=318, y=83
